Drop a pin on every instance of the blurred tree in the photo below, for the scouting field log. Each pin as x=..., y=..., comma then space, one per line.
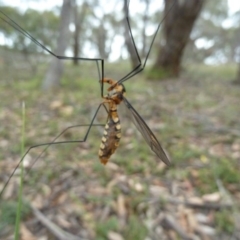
x=236, y=44
x=145, y=21
x=179, y=21
x=40, y=25
x=93, y=26
x=103, y=36
x=80, y=13
x=5, y=28
x=52, y=78
x=209, y=38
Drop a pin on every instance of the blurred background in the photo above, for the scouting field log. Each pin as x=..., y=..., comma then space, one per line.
x=188, y=94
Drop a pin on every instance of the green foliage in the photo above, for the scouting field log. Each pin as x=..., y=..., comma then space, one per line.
x=40, y=25
x=102, y=228
x=182, y=152
x=9, y=11
x=207, y=181
x=157, y=74
x=8, y=212
x=135, y=229
x=224, y=221
x=224, y=169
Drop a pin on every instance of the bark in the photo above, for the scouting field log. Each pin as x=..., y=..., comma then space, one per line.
x=102, y=38
x=55, y=70
x=145, y=21
x=178, y=25
x=78, y=21
x=128, y=40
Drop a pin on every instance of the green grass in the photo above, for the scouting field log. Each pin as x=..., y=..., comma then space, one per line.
x=102, y=228
x=224, y=169
x=20, y=193
x=224, y=221
x=9, y=213
x=135, y=229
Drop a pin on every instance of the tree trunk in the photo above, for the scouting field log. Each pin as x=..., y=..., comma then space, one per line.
x=128, y=39
x=101, y=40
x=78, y=21
x=54, y=73
x=178, y=24
x=145, y=21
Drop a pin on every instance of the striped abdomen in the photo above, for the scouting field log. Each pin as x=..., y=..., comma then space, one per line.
x=111, y=135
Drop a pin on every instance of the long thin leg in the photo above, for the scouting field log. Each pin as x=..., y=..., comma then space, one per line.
x=100, y=77
x=53, y=142
x=12, y=23
x=140, y=67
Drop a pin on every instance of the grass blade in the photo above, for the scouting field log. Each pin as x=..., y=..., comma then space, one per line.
x=19, y=208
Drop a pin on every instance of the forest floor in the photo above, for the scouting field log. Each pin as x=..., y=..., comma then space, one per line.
x=69, y=194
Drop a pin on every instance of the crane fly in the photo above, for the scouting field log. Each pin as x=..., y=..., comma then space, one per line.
x=116, y=95
x=112, y=132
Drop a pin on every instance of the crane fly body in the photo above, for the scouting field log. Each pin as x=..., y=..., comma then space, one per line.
x=112, y=132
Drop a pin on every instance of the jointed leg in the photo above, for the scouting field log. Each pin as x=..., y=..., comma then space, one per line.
x=53, y=142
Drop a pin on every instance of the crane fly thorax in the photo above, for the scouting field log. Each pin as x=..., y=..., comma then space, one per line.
x=115, y=91
x=112, y=132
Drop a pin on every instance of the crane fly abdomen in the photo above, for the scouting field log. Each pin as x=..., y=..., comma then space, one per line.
x=111, y=136
x=112, y=132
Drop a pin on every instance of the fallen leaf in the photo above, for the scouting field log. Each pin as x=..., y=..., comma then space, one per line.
x=66, y=111
x=217, y=150
x=212, y=197
x=236, y=147
x=114, y=236
x=26, y=234
x=56, y=104
x=121, y=207
x=206, y=230
x=138, y=187
x=195, y=200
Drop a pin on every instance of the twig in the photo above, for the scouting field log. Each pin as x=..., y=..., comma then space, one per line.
x=204, y=205
x=53, y=228
x=169, y=222
x=222, y=130
x=226, y=195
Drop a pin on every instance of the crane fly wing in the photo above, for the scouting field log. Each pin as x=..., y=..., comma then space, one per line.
x=146, y=133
